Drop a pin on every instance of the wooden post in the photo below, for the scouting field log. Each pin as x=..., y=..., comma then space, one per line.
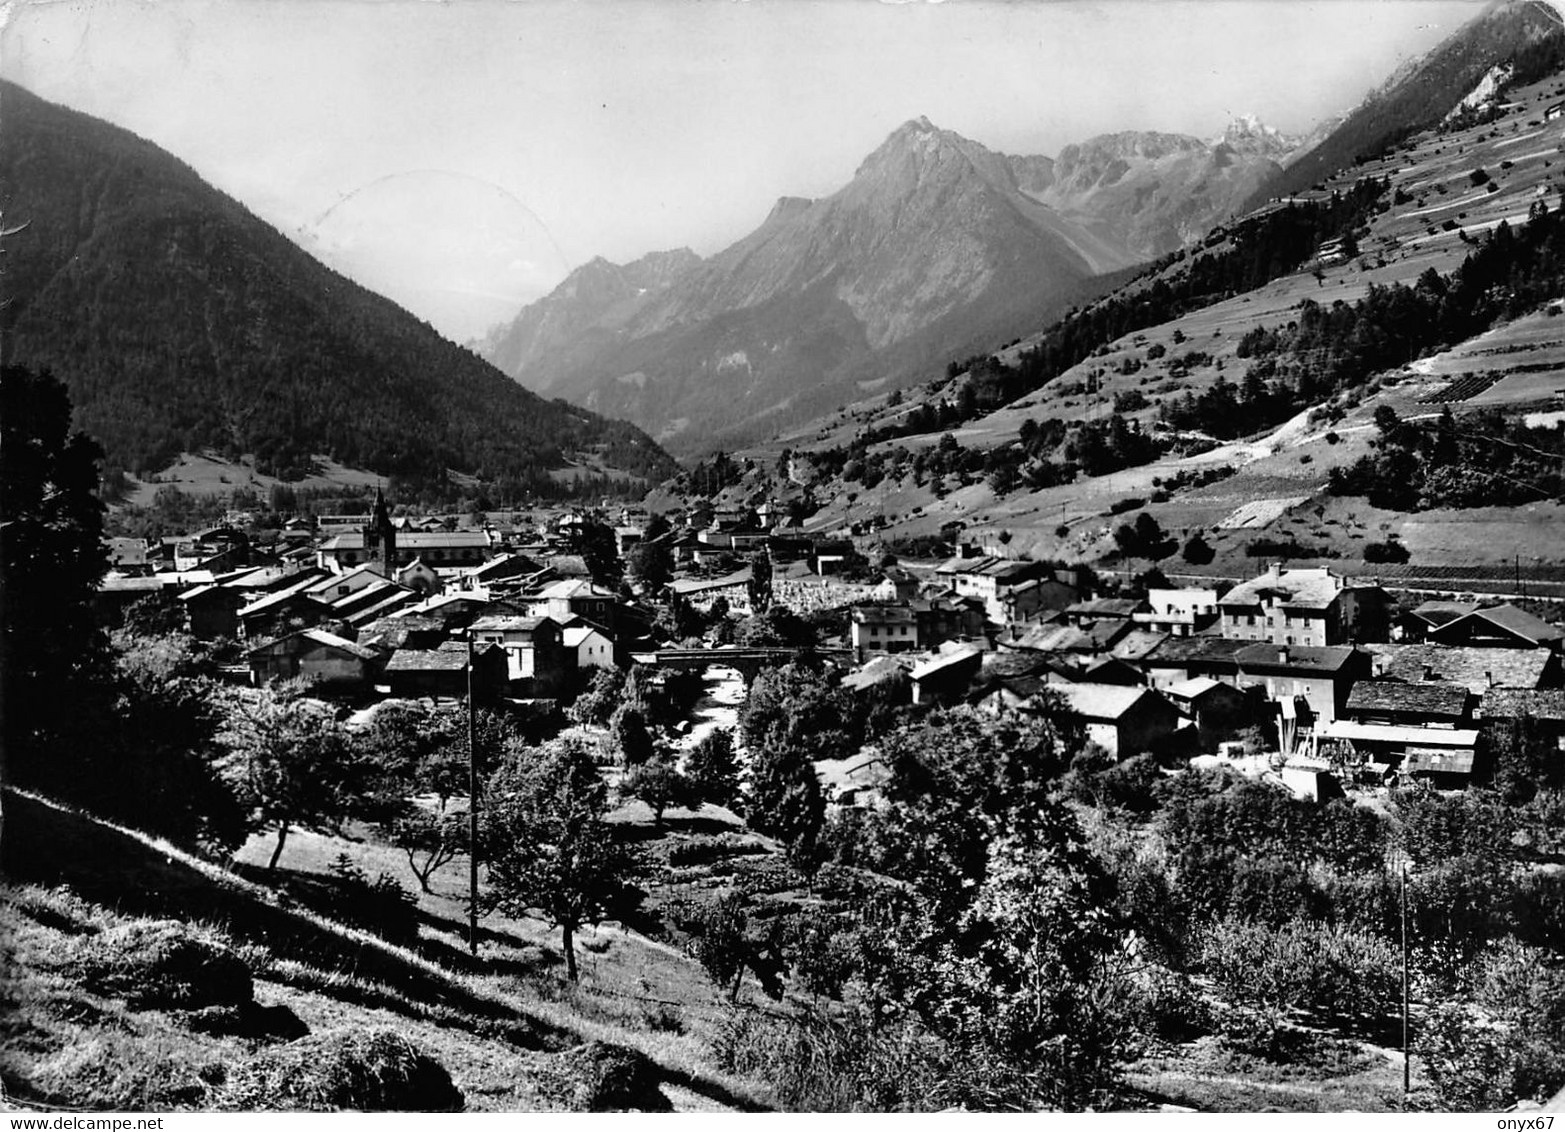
x=1407, y=1065
x=472, y=805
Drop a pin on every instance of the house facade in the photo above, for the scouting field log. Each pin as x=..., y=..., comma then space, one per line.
x=1307, y=606
x=325, y=659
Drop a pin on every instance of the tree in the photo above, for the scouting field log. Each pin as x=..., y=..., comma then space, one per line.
x=629, y=737
x=431, y=839
x=426, y=753
x=292, y=767
x=1143, y=540
x=712, y=768
x=795, y=707
x=1019, y=978
x=158, y=768
x=725, y=940
x=957, y=781
x=52, y=654
x=596, y=705
x=658, y=783
x=1508, y=1044
x=650, y=563
x=156, y=615
x=786, y=802
x=1197, y=551
x=549, y=848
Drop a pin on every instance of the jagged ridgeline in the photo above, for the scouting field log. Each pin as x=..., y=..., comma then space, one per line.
x=181, y=322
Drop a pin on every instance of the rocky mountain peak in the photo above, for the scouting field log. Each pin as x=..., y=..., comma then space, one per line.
x=1248, y=134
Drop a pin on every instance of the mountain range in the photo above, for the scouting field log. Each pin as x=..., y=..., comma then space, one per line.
x=937, y=247
x=181, y=322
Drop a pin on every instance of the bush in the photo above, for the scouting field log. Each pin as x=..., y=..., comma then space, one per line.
x=381, y=906
x=1120, y=506
x=1387, y=551
x=1169, y=1005
x=1339, y=974
x=375, y=1070
x=819, y=1065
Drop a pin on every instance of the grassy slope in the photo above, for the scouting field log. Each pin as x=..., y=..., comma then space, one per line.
x=1293, y=461
x=493, y=1023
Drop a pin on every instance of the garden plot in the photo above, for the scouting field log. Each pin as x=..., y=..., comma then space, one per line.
x=1260, y=512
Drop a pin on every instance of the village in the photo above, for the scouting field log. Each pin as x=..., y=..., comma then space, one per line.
x=1296, y=674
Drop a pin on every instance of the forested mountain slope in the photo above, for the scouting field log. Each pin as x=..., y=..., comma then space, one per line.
x=180, y=321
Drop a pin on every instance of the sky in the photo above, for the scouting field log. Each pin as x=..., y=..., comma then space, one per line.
x=462, y=155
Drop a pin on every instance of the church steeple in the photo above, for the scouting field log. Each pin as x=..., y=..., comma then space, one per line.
x=380, y=539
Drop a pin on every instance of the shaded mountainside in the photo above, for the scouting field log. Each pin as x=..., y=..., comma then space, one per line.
x=932, y=237
x=1421, y=93
x=938, y=247
x=180, y=321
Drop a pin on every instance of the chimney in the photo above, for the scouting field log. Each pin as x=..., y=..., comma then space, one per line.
x=1489, y=676
x=1429, y=672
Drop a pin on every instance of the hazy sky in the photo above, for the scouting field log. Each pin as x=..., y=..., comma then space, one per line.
x=462, y=155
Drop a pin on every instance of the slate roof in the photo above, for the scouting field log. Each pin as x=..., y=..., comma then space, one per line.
x=1192, y=689
x=1105, y=607
x=884, y=615
x=1440, y=612
x=572, y=587
x=1442, y=700
x=988, y=566
x=428, y=660
x=500, y=623
x=380, y=607
x=1180, y=651
x=391, y=632
x=279, y=597
x=700, y=585
x=941, y=663
x=1263, y=656
x=1054, y=638
x=1511, y=703
x=1100, y=701
x=1474, y=667
x=1136, y=644
x=330, y=582
x=1004, y=665
x=1509, y=619
x=1296, y=589
x=882, y=668
x=576, y=634
x=323, y=638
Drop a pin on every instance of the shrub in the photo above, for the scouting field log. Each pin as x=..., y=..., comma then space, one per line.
x=816, y=1064
x=374, y=1070
x=1130, y=503
x=1387, y=551
x=381, y=906
x=1342, y=975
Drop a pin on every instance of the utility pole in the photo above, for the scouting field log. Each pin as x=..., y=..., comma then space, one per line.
x=1407, y=1067
x=472, y=805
